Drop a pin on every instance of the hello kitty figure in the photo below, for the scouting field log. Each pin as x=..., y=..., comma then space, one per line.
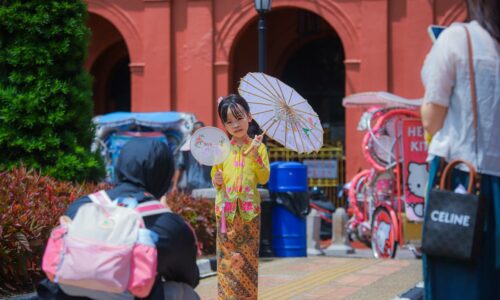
x=417, y=179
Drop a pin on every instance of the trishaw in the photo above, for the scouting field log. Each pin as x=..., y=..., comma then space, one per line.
x=386, y=201
x=113, y=130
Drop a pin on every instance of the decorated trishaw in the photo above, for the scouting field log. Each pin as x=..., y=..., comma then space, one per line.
x=386, y=201
x=113, y=130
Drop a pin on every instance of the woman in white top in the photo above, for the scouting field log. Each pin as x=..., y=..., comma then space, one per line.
x=447, y=115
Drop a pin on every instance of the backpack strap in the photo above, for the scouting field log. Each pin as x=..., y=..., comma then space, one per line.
x=151, y=207
x=101, y=198
x=198, y=245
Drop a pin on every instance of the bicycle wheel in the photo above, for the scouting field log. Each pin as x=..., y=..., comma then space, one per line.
x=357, y=194
x=384, y=232
x=382, y=188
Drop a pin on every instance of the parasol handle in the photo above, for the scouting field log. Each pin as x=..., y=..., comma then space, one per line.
x=250, y=148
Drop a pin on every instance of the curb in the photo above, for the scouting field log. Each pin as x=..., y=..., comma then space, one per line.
x=30, y=296
x=415, y=293
x=207, y=267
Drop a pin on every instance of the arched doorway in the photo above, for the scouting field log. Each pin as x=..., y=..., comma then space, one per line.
x=109, y=67
x=316, y=70
x=304, y=51
x=118, y=87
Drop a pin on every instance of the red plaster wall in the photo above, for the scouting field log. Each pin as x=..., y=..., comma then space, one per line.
x=181, y=51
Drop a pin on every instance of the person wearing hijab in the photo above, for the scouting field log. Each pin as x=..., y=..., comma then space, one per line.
x=144, y=170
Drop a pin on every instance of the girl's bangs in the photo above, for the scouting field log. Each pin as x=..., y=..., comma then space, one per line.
x=237, y=112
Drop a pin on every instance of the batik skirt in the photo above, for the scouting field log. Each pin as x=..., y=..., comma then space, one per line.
x=238, y=259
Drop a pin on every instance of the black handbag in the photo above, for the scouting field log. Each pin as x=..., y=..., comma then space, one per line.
x=453, y=221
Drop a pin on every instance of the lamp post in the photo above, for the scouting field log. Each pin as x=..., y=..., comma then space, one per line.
x=266, y=234
x=262, y=6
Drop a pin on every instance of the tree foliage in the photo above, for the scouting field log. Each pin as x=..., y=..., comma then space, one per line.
x=45, y=93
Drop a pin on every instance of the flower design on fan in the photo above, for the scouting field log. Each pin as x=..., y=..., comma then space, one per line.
x=199, y=141
x=210, y=145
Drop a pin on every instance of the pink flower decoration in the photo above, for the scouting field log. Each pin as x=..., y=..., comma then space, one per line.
x=228, y=206
x=247, y=206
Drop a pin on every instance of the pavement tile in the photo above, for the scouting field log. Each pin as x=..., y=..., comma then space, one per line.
x=339, y=292
x=328, y=278
x=396, y=262
x=359, y=280
x=380, y=269
x=306, y=267
x=388, y=270
x=270, y=281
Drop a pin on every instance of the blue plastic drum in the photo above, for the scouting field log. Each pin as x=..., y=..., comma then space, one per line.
x=288, y=177
x=289, y=233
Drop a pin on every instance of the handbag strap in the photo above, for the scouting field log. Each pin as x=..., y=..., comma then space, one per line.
x=472, y=83
x=445, y=182
x=473, y=93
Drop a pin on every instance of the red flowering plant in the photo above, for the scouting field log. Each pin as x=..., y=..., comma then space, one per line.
x=30, y=206
x=200, y=214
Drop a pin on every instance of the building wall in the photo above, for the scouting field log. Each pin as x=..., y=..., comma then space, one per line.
x=181, y=51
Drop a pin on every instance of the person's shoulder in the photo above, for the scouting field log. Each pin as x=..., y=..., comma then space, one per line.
x=453, y=34
x=75, y=205
x=172, y=218
x=451, y=42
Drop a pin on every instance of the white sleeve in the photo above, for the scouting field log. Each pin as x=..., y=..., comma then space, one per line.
x=439, y=70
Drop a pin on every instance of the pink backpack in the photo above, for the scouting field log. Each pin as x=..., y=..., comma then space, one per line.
x=105, y=252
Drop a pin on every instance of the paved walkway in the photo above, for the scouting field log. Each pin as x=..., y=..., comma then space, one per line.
x=329, y=278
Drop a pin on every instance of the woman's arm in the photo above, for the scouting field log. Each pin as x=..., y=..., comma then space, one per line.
x=433, y=116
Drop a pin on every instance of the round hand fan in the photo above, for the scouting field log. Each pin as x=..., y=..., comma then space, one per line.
x=210, y=146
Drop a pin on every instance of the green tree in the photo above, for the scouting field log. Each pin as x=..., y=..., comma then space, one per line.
x=45, y=93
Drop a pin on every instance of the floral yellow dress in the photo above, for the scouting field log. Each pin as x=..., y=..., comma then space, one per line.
x=237, y=208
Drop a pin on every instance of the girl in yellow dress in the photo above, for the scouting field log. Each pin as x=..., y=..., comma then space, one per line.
x=237, y=204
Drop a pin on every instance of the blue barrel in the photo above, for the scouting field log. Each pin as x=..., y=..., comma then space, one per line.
x=272, y=184
x=289, y=230
x=289, y=233
x=288, y=177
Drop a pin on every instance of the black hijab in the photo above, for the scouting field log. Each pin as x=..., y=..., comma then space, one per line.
x=146, y=163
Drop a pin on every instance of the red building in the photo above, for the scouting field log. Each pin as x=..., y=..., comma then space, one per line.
x=161, y=55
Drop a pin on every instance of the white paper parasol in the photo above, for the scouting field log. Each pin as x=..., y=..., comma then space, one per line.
x=282, y=113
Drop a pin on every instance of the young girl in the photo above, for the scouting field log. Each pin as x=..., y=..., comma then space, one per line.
x=237, y=204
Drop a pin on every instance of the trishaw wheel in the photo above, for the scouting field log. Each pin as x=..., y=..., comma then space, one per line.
x=384, y=244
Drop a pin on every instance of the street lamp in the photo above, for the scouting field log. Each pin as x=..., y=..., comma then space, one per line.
x=266, y=223
x=262, y=6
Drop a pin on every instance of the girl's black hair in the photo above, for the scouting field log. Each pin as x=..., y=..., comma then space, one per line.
x=231, y=102
x=235, y=102
x=486, y=13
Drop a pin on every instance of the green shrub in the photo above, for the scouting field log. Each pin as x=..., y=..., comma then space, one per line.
x=45, y=94
x=30, y=207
